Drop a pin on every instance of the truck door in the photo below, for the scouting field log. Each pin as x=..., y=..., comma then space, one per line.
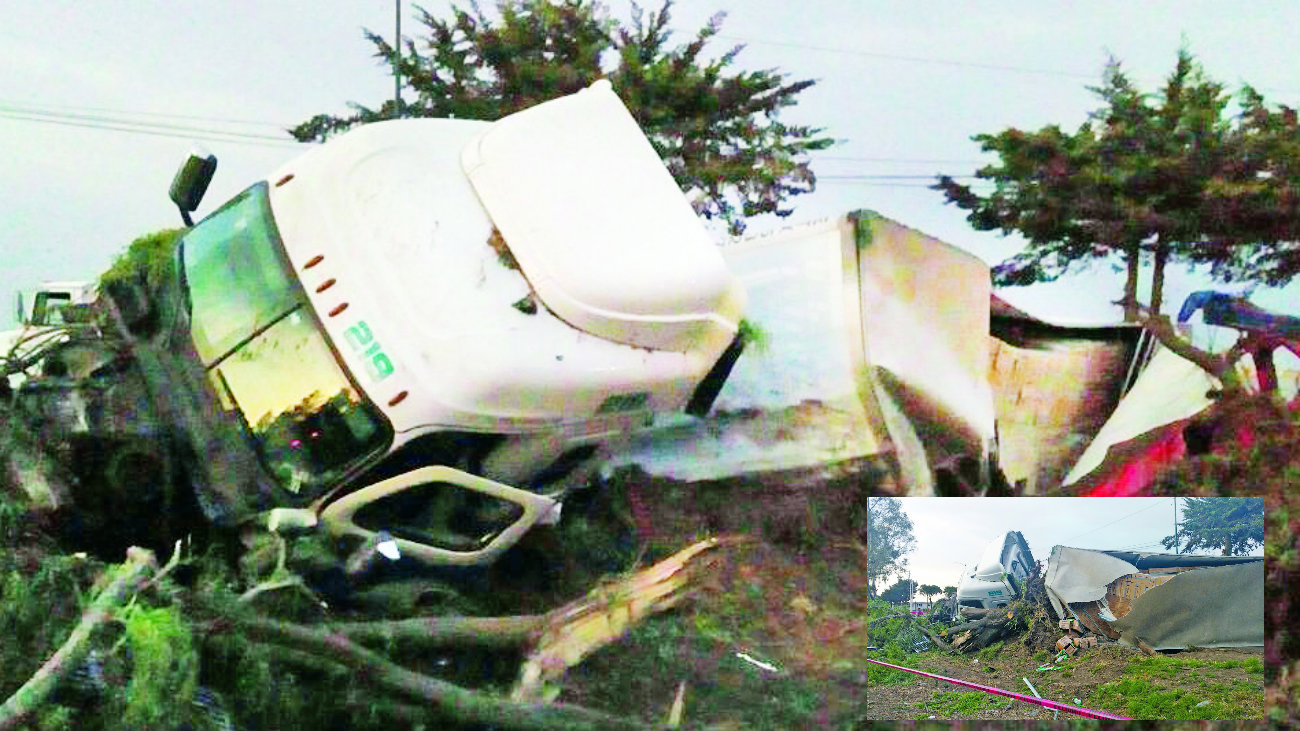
x=441, y=516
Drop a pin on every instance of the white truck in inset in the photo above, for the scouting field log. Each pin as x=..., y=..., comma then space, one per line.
x=999, y=576
x=425, y=327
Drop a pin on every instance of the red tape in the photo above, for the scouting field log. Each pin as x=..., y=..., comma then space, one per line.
x=1054, y=705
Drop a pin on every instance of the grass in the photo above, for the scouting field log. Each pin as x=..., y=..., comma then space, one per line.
x=1143, y=692
x=990, y=652
x=1174, y=667
x=664, y=650
x=949, y=703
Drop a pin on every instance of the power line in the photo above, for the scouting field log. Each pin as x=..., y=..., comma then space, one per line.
x=913, y=59
x=902, y=160
x=25, y=106
x=887, y=177
x=1113, y=522
x=147, y=128
x=945, y=61
x=152, y=125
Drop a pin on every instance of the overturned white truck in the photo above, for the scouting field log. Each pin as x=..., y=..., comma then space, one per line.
x=428, y=327
x=999, y=576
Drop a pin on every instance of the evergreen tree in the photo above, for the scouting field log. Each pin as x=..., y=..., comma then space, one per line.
x=1232, y=525
x=717, y=130
x=1166, y=177
x=929, y=590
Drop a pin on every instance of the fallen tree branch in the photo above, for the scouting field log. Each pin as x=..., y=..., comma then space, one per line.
x=926, y=630
x=487, y=632
x=461, y=704
x=128, y=579
x=603, y=616
x=1220, y=366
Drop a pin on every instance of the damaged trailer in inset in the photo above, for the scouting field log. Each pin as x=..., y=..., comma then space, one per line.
x=1160, y=601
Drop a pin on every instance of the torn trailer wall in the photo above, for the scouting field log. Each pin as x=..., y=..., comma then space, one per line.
x=865, y=355
x=1170, y=602
x=1054, y=386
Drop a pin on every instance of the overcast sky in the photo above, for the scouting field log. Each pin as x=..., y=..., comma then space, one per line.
x=901, y=86
x=952, y=532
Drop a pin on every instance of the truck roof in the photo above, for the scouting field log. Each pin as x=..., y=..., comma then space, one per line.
x=391, y=238
x=998, y=553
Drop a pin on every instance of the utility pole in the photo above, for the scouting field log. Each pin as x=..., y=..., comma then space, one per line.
x=397, y=69
x=1176, y=551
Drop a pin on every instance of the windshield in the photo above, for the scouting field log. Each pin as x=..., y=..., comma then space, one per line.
x=267, y=356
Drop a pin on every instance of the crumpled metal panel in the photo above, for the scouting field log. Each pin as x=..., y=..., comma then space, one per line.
x=1221, y=606
x=1219, y=603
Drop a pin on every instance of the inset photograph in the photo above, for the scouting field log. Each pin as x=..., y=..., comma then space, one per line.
x=1055, y=608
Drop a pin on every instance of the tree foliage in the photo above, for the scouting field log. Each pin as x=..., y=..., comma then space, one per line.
x=1232, y=525
x=899, y=591
x=717, y=130
x=889, y=539
x=1165, y=177
x=146, y=259
x=929, y=590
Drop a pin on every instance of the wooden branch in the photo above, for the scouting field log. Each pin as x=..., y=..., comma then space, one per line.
x=128, y=579
x=461, y=704
x=1220, y=366
x=603, y=616
x=928, y=633
x=448, y=631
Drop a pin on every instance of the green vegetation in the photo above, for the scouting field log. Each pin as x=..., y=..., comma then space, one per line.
x=1232, y=525
x=146, y=260
x=951, y=703
x=658, y=654
x=890, y=651
x=1143, y=692
x=1170, y=176
x=1142, y=699
x=755, y=338
x=1174, y=666
x=165, y=667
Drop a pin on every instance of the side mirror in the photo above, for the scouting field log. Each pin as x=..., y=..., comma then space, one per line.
x=440, y=516
x=191, y=182
x=20, y=312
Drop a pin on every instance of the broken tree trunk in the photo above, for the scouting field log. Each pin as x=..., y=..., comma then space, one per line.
x=560, y=639
x=128, y=579
x=997, y=624
x=460, y=704
x=603, y=616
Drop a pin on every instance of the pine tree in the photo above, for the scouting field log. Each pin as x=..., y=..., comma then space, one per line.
x=717, y=130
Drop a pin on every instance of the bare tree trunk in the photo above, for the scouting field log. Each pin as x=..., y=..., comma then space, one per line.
x=1133, y=260
x=1158, y=276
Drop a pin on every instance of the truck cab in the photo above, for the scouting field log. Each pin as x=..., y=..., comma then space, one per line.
x=43, y=316
x=444, y=320
x=998, y=576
